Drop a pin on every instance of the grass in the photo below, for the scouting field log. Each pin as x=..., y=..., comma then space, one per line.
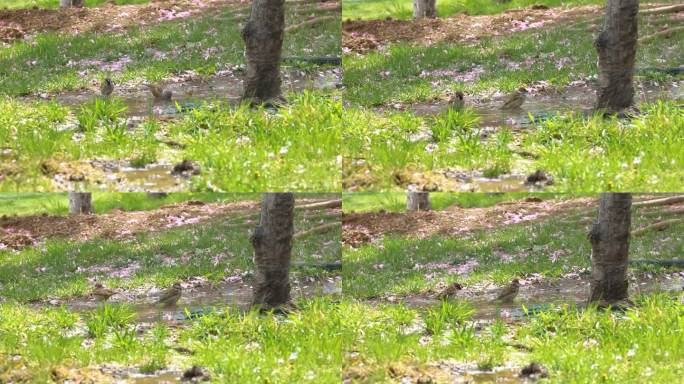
x=583, y=153
x=238, y=149
x=407, y=342
x=577, y=346
x=53, y=4
x=550, y=247
x=382, y=151
x=403, y=9
x=42, y=344
x=369, y=343
x=396, y=201
x=558, y=55
x=35, y=204
x=204, y=44
x=246, y=347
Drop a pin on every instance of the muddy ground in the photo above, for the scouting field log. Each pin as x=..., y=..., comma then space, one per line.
x=360, y=228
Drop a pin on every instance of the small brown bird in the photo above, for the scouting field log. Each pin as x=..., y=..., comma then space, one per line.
x=107, y=87
x=515, y=100
x=159, y=93
x=450, y=291
x=457, y=101
x=102, y=293
x=508, y=294
x=170, y=297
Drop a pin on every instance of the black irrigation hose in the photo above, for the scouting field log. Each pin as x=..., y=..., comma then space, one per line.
x=337, y=265
x=670, y=71
x=321, y=60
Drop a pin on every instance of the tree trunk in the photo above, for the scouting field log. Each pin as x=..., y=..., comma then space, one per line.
x=418, y=201
x=263, y=35
x=272, y=242
x=616, y=46
x=80, y=203
x=77, y=3
x=424, y=8
x=609, y=237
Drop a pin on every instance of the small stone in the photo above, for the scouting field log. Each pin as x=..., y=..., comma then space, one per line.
x=195, y=374
x=534, y=371
x=186, y=167
x=539, y=178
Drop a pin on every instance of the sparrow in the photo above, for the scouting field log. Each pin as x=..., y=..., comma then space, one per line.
x=107, y=87
x=457, y=101
x=450, y=291
x=102, y=293
x=510, y=292
x=160, y=93
x=170, y=297
x=515, y=100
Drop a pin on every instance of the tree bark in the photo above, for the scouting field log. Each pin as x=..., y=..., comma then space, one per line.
x=263, y=36
x=424, y=8
x=616, y=47
x=272, y=242
x=609, y=237
x=80, y=203
x=418, y=201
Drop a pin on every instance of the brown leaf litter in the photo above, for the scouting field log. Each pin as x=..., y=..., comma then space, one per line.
x=21, y=231
x=360, y=228
x=16, y=24
x=365, y=35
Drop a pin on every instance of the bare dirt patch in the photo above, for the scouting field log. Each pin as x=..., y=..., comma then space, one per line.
x=15, y=24
x=18, y=232
x=359, y=228
x=364, y=35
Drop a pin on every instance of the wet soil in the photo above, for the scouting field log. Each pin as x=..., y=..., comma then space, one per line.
x=360, y=228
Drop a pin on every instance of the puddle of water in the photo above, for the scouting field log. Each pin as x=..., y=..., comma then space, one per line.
x=156, y=177
x=204, y=299
x=156, y=379
x=225, y=89
x=495, y=376
x=540, y=297
x=507, y=183
x=542, y=106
